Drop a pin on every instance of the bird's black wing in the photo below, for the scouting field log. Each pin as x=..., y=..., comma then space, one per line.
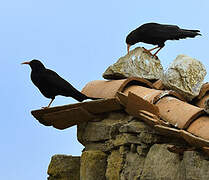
x=58, y=86
x=167, y=32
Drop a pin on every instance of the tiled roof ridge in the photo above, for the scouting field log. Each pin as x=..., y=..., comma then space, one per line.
x=163, y=109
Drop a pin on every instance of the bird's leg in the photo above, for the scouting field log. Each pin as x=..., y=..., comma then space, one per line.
x=153, y=49
x=149, y=50
x=49, y=104
x=157, y=51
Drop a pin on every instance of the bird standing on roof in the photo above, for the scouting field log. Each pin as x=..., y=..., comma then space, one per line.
x=51, y=84
x=157, y=34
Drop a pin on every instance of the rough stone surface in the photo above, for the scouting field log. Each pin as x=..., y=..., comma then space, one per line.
x=133, y=166
x=196, y=166
x=63, y=167
x=160, y=164
x=114, y=165
x=93, y=165
x=135, y=126
x=128, y=149
x=102, y=130
x=185, y=75
x=137, y=63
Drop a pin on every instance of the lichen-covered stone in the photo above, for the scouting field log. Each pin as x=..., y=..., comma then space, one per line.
x=63, y=167
x=137, y=63
x=135, y=126
x=133, y=166
x=114, y=165
x=185, y=75
x=93, y=165
x=102, y=146
x=125, y=138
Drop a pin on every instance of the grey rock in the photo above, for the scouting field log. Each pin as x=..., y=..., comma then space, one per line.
x=63, y=167
x=126, y=139
x=103, y=130
x=102, y=146
x=149, y=138
x=137, y=63
x=160, y=164
x=142, y=149
x=115, y=163
x=133, y=166
x=196, y=166
x=93, y=165
x=185, y=75
x=135, y=126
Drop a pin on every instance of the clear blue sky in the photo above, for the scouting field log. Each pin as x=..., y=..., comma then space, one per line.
x=79, y=40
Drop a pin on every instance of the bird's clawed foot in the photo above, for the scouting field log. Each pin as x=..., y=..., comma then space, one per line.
x=149, y=52
x=45, y=107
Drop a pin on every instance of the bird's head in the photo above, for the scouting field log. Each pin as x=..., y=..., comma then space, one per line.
x=35, y=65
x=130, y=41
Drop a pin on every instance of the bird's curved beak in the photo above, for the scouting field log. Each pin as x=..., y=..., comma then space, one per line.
x=28, y=62
x=128, y=47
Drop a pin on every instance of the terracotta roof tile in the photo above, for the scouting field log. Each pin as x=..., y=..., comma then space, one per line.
x=203, y=91
x=123, y=99
x=178, y=113
x=145, y=93
x=108, y=89
x=194, y=140
x=206, y=150
x=200, y=127
x=148, y=117
x=164, y=110
x=136, y=103
x=201, y=102
x=168, y=131
x=158, y=84
x=151, y=95
x=66, y=116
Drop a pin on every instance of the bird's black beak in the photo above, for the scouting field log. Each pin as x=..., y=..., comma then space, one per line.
x=128, y=47
x=28, y=62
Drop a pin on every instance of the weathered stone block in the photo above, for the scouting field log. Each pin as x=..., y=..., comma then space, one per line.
x=196, y=166
x=103, y=146
x=133, y=166
x=93, y=165
x=137, y=63
x=125, y=138
x=161, y=164
x=135, y=126
x=63, y=167
x=102, y=130
x=114, y=165
x=185, y=75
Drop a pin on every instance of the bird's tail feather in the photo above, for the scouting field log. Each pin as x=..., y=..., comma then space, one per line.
x=189, y=33
x=191, y=30
x=81, y=97
x=93, y=98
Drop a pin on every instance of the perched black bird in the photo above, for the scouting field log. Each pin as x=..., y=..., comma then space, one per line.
x=157, y=34
x=51, y=84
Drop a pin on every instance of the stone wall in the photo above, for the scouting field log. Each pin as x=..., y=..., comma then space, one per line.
x=121, y=147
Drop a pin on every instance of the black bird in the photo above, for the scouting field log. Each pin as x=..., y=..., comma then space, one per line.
x=51, y=84
x=157, y=34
